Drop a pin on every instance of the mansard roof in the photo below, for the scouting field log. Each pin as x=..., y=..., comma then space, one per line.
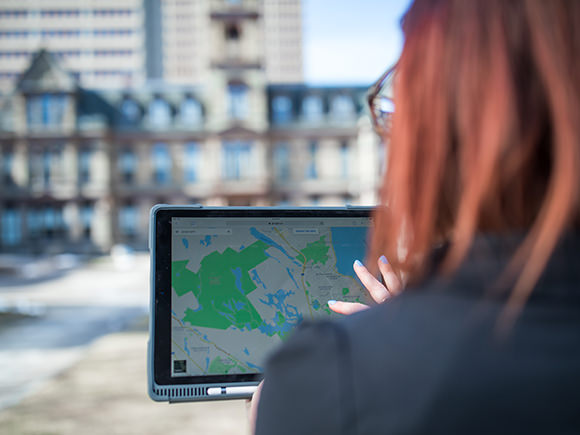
x=45, y=75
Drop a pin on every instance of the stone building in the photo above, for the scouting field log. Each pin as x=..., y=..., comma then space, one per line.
x=81, y=167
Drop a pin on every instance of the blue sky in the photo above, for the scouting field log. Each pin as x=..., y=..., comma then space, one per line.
x=350, y=41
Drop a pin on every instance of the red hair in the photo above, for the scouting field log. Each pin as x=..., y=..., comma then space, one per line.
x=485, y=135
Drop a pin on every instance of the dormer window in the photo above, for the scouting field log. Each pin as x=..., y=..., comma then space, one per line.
x=130, y=110
x=281, y=109
x=46, y=111
x=159, y=113
x=312, y=109
x=191, y=112
x=342, y=108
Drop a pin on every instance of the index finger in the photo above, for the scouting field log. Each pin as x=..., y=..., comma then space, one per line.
x=377, y=291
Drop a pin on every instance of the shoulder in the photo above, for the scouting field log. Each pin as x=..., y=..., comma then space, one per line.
x=305, y=378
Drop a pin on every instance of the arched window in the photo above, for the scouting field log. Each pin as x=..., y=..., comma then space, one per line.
x=281, y=109
x=161, y=163
x=312, y=167
x=128, y=220
x=11, y=226
x=282, y=161
x=128, y=166
x=312, y=109
x=159, y=113
x=238, y=101
x=237, y=160
x=342, y=108
x=190, y=112
x=130, y=110
x=192, y=162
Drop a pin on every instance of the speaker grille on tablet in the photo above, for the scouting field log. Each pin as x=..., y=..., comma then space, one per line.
x=180, y=392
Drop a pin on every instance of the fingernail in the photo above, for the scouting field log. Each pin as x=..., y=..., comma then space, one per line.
x=358, y=263
x=331, y=302
x=384, y=260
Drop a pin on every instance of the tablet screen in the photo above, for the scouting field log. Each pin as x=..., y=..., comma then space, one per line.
x=240, y=285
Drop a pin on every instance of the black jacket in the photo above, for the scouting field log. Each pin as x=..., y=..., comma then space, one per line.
x=432, y=361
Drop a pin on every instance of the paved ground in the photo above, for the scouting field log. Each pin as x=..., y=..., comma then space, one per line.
x=70, y=365
x=105, y=393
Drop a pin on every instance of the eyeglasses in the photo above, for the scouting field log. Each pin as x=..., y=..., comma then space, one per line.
x=380, y=101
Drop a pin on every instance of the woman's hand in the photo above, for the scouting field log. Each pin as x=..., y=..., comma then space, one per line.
x=379, y=292
x=253, y=408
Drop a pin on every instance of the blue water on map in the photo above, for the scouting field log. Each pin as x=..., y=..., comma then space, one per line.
x=273, y=258
x=185, y=243
x=290, y=313
x=349, y=244
x=246, y=351
x=238, y=274
x=292, y=277
x=264, y=238
x=185, y=346
x=254, y=366
x=205, y=241
x=256, y=278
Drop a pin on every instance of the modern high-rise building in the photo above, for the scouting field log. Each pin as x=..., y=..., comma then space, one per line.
x=121, y=43
x=263, y=34
x=100, y=42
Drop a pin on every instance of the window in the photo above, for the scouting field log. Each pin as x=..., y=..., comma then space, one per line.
x=161, y=164
x=237, y=159
x=312, y=109
x=53, y=222
x=344, y=154
x=86, y=218
x=192, y=162
x=11, y=227
x=128, y=220
x=282, y=162
x=281, y=109
x=130, y=110
x=311, y=169
x=51, y=166
x=34, y=223
x=45, y=111
x=85, y=157
x=238, y=101
x=342, y=108
x=128, y=166
x=159, y=113
x=232, y=32
x=7, y=167
x=191, y=112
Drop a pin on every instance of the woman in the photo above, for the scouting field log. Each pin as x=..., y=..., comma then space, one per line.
x=483, y=164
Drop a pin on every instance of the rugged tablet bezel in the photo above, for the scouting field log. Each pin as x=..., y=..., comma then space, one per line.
x=162, y=386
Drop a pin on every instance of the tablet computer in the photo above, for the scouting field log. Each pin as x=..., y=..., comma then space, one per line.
x=228, y=285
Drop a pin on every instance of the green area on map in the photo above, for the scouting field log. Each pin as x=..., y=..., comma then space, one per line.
x=317, y=252
x=227, y=303
x=225, y=365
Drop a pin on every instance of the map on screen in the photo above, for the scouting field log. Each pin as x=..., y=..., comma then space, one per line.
x=241, y=285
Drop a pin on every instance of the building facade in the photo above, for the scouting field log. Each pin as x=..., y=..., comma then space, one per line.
x=81, y=167
x=100, y=42
x=186, y=39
